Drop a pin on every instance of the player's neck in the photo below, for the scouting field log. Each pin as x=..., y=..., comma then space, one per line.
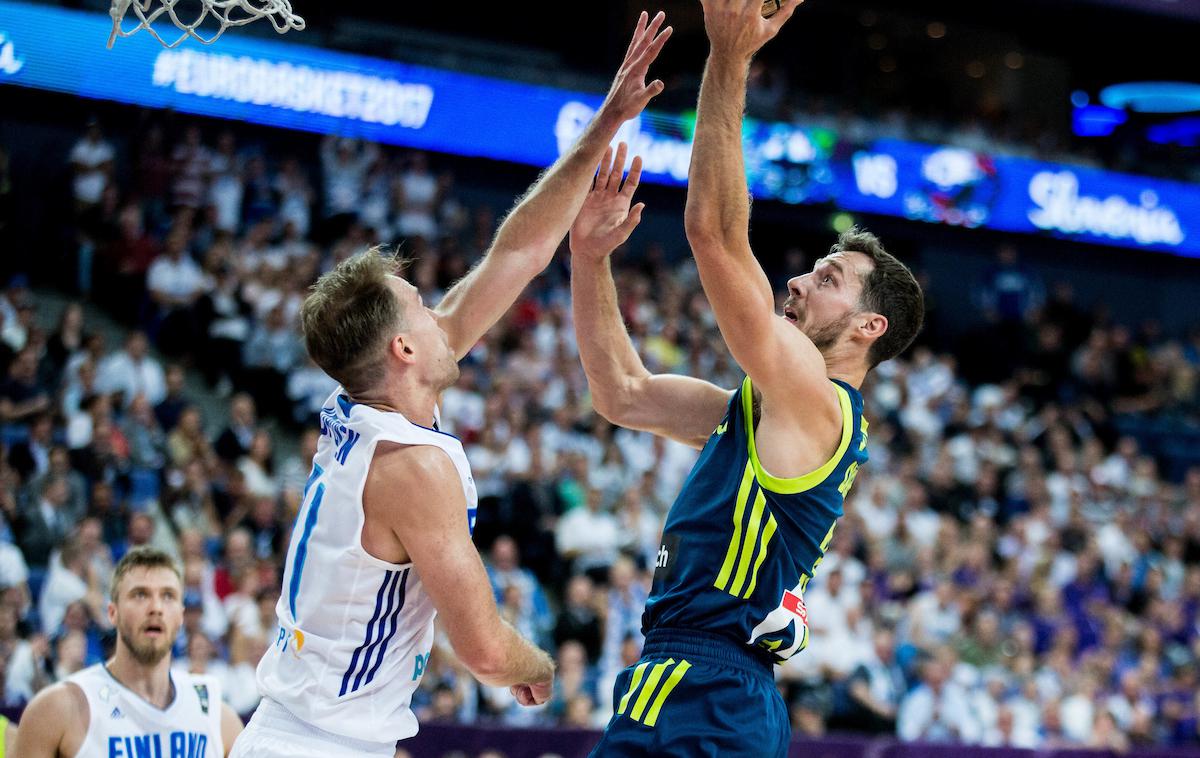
x=151, y=683
x=413, y=402
x=845, y=366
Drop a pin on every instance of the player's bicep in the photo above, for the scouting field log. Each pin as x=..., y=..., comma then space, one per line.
x=431, y=523
x=682, y=408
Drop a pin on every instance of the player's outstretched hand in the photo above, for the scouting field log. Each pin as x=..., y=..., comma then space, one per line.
x=630, y=93
x=532, y=694
x=737, y=29
x=605, y=221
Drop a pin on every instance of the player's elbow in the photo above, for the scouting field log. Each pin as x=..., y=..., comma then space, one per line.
x=702, y=227
x=616, y=405
x=538, y=255
x=607, y=407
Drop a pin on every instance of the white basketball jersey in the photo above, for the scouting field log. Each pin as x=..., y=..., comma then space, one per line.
x=122, y=724
x=355, y=631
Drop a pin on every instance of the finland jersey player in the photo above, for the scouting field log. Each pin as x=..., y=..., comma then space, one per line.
x=759, y=508
x=134, y=705
x=382, y=540
x=355, y=631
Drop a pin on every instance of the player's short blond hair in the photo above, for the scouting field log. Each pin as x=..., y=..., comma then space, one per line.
x=349, y=316
x=141, y=557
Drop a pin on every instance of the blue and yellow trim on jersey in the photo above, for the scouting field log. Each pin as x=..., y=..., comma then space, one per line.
x=741, y=544
x=805, y=482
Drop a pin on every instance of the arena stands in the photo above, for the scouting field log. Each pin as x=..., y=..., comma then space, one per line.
x=1019, y=564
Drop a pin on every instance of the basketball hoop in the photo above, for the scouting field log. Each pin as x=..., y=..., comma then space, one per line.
x=227, y=13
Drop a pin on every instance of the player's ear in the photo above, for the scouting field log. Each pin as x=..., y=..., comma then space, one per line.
x=401, y=348
x=872, y=325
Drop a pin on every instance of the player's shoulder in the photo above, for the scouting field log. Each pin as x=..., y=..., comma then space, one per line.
x=414, y=464
x=57, y=710
x=815, y=401
x=65, y=696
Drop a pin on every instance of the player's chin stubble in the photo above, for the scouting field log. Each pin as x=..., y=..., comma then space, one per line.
x=146, y=653
x=826, y=335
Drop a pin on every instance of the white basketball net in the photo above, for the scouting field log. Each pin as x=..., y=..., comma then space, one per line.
x=226, y=13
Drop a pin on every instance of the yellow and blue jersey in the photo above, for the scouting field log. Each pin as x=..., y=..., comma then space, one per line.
x=740, y=545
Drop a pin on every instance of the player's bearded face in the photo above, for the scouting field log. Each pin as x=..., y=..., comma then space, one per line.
x=148, y=616
x=823, y=333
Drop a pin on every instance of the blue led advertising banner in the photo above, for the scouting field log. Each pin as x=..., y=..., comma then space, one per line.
x=286, y=84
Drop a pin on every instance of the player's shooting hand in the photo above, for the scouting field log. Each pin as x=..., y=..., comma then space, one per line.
x=630, y=93
x=532, y=694
x=605, y=221
x=737, y=29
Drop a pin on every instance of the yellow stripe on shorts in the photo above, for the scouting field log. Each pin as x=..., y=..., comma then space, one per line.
x=672, y=680
x=638, y=673
x=656, y=673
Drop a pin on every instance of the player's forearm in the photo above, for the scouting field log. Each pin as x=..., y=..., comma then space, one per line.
x=540, y=220
x=608, y=356
x=515, y=660
x=718, y=207
x=717, y=215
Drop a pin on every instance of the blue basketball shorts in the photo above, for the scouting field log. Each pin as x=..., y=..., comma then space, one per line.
x=696, y=694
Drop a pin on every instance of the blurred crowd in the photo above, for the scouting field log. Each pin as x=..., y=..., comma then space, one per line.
x=1019, y=563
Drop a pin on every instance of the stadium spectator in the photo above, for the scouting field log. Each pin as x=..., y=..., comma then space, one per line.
x=22, y=394
x=92, y=163
x=234, y=441
x=175, y=284
x=132, y=372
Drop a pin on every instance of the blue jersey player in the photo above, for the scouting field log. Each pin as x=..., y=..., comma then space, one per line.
x=779, y=452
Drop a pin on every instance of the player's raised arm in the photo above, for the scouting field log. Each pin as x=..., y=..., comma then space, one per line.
x=532, y=232
x=434, y=532
x=623, y=391
x=779, y=358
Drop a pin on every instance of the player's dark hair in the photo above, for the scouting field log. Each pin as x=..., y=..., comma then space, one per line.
x=349, y=316
x=890, y=290
x=141, y=557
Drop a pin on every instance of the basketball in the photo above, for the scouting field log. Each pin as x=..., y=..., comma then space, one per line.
x=771, y=7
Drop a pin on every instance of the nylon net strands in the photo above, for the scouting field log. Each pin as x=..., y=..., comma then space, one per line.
x=225, y=13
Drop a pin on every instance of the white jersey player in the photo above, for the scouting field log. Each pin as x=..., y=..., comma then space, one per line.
x=383, y=537
x=355, y=631
x=134, y=705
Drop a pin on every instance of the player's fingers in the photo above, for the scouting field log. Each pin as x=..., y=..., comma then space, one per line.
x=648, y=55
x=648, y=36
x=635, y=176
x=614, y=178
x=637, y=34
x=655, y=24
x=784, y=13
x=601, y=180
x=633, y=219
x=653, y=89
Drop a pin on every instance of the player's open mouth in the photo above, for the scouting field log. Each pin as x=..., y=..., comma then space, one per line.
x=790, y=315
x=153, y=629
